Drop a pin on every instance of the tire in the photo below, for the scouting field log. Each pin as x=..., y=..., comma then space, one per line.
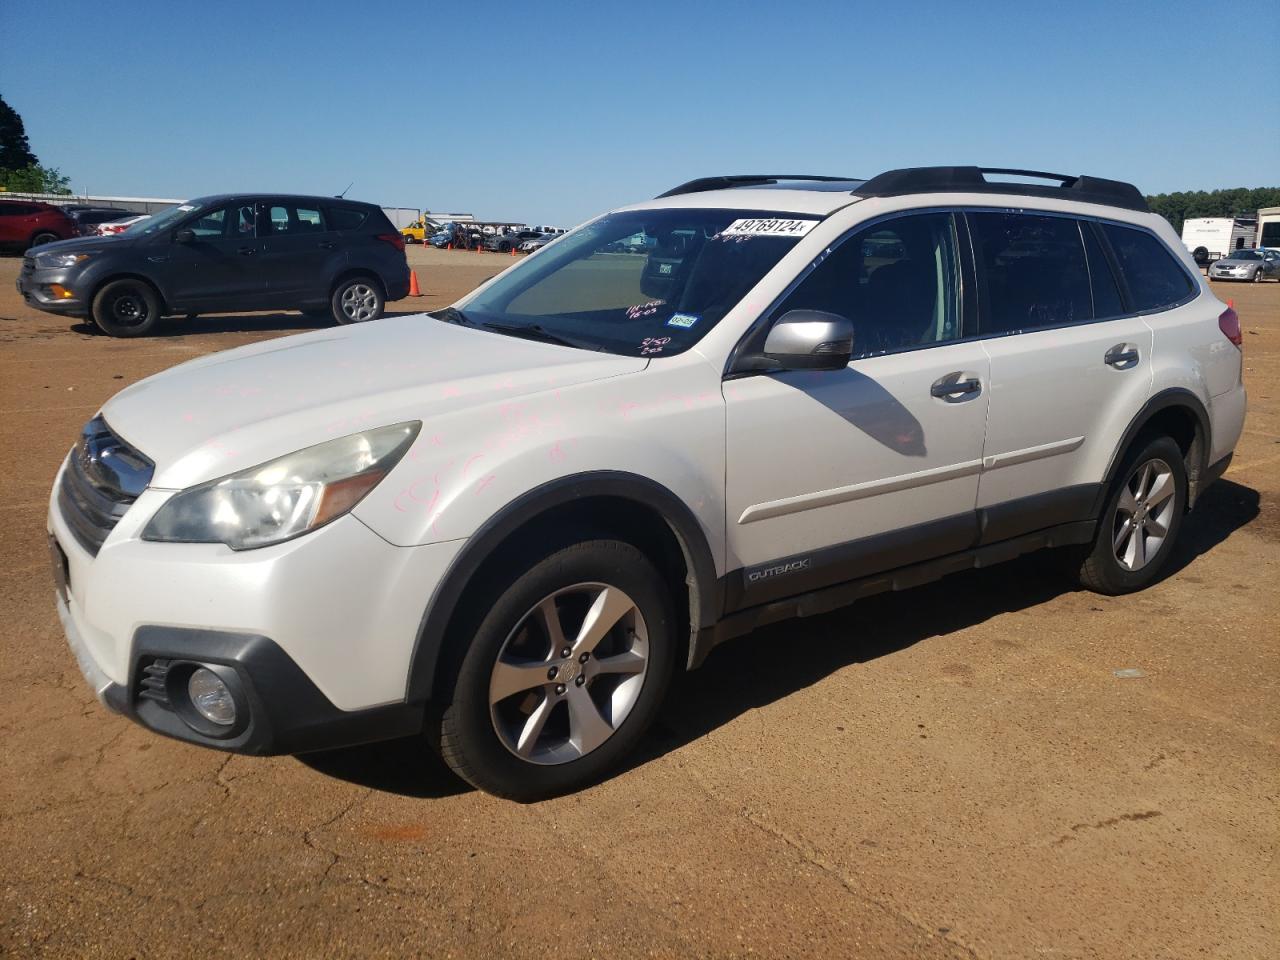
x=127, y=308
x=357, y=300
x=1258, y=275
x=525, y=722
x=43, y=237
x=1125, y=558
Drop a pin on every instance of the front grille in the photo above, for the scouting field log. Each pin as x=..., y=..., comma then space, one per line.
x=103, y=477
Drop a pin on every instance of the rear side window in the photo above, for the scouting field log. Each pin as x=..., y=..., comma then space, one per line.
x=1107, y=302
x=345, y=218
x=16, y=209
x=288, y=220
x=1155, y=279
x=1034, y=270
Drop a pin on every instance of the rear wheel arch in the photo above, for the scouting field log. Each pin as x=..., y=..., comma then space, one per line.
x=1177, y=413
x=614, y=504
x=351, y=273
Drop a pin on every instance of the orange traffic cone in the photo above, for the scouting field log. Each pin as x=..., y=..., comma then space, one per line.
x=513, y=251
x=449, y=245
x=413, y=284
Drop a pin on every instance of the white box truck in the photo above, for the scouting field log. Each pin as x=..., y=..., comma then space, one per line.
x=1269, y=228
x=1212, y=238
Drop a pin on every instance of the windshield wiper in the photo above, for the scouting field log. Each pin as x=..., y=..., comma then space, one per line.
x=532, y=331
x=453, y=315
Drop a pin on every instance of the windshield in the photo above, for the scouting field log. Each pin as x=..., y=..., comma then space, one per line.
x=161, y=221
x=640, y=283
x=1245, y=255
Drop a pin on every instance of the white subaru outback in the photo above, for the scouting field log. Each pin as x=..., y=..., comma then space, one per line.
x=506, y=524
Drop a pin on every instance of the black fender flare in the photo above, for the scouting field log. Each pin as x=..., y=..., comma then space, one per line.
x=704, y=588
x=1163, y=400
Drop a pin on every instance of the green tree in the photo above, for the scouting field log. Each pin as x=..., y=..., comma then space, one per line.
x=34, y=179
x=1232, y=202
x=15, y=152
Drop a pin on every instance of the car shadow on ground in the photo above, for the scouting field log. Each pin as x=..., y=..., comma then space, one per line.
x=778, y=660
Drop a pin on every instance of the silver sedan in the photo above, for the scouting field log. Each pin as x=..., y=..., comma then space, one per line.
x=1255, y=265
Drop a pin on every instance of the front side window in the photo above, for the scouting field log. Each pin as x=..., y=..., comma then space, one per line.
x=210, y=224
x=1034, y=271
x=245, y=220
x=638, y=283
x=1155, y=279
x=897, y=281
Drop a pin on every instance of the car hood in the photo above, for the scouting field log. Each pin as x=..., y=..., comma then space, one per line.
x=82, y=245
x=229, y=411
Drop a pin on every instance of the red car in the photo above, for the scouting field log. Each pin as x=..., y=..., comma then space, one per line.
x=26, y=223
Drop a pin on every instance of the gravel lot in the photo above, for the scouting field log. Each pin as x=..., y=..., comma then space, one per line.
x=954, y=771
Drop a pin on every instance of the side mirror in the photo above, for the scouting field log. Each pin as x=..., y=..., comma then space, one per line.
x=184, y=236
x=809, y=340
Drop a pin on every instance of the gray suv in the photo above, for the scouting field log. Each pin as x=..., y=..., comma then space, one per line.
x=324, y=256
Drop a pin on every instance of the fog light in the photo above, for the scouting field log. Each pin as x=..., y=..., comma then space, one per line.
x=211, y=697
x=61, y=292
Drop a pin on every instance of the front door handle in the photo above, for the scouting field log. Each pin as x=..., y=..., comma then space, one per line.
x=1122, y=356
x=326, y=244
x=956, y=387
x=247, y=251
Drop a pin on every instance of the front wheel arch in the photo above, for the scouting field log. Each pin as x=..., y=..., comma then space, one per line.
x=600, y=503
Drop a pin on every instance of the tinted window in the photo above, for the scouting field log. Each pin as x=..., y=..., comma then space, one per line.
x=1034, y=270
x=16, y=209
x=1106, y=294
x=1155, y=279
x=210, y=224
x=345, y=218
x=293, y=220
x=1245, y=255
x=897, y=282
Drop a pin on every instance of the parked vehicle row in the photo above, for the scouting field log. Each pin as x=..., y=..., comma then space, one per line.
x=508, y=524
x=27, y=223
x=324, y=256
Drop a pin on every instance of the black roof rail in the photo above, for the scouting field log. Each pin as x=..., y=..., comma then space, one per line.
x=702, y=184
x=896, y=183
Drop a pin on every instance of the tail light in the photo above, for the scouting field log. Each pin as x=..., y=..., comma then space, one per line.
x=395, y=239
x=1229, y=324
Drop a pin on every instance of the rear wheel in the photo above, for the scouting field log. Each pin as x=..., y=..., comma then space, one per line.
x=357, y=300
x=40, y=239
x=564, y=673
x=1140, y=522
x=126, y=308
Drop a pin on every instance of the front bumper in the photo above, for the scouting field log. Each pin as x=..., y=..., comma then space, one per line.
x=319, y=630
x=35, y=288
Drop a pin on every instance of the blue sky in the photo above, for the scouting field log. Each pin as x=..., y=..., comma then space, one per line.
x=550, y=111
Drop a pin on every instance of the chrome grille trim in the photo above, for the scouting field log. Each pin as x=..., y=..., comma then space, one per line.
x=103, y=477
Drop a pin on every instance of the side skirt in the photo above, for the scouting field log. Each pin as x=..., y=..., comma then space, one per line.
x=901, y=578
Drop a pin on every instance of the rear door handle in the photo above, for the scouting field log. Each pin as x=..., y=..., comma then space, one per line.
x=956, y=387
x=247, y=251
x=1122, y=356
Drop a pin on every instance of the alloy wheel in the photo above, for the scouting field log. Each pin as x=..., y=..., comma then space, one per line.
x=1143, y=514
x=359, y=302
x=569, y=674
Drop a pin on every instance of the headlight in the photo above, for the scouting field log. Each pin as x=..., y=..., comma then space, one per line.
x=51, y=261
x=286, y=497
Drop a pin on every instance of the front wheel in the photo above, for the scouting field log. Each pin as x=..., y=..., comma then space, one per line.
x=1140, y=522
x=564, y=673
x=1258, y=275
x=40, y=239
x=357, y=300
x=126, y=308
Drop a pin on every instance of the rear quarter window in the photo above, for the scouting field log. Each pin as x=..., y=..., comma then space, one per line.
x=346, y=218
x=1156, y=280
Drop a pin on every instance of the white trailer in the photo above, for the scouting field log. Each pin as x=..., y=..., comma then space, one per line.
x=1212, y=238
x=1269, y=228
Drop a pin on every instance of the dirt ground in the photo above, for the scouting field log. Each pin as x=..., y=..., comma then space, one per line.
x=954, y=771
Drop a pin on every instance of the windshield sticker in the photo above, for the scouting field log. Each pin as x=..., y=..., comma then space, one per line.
x=682, y=320
x=644, y=309
x=652, y=345
x=755, y=227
